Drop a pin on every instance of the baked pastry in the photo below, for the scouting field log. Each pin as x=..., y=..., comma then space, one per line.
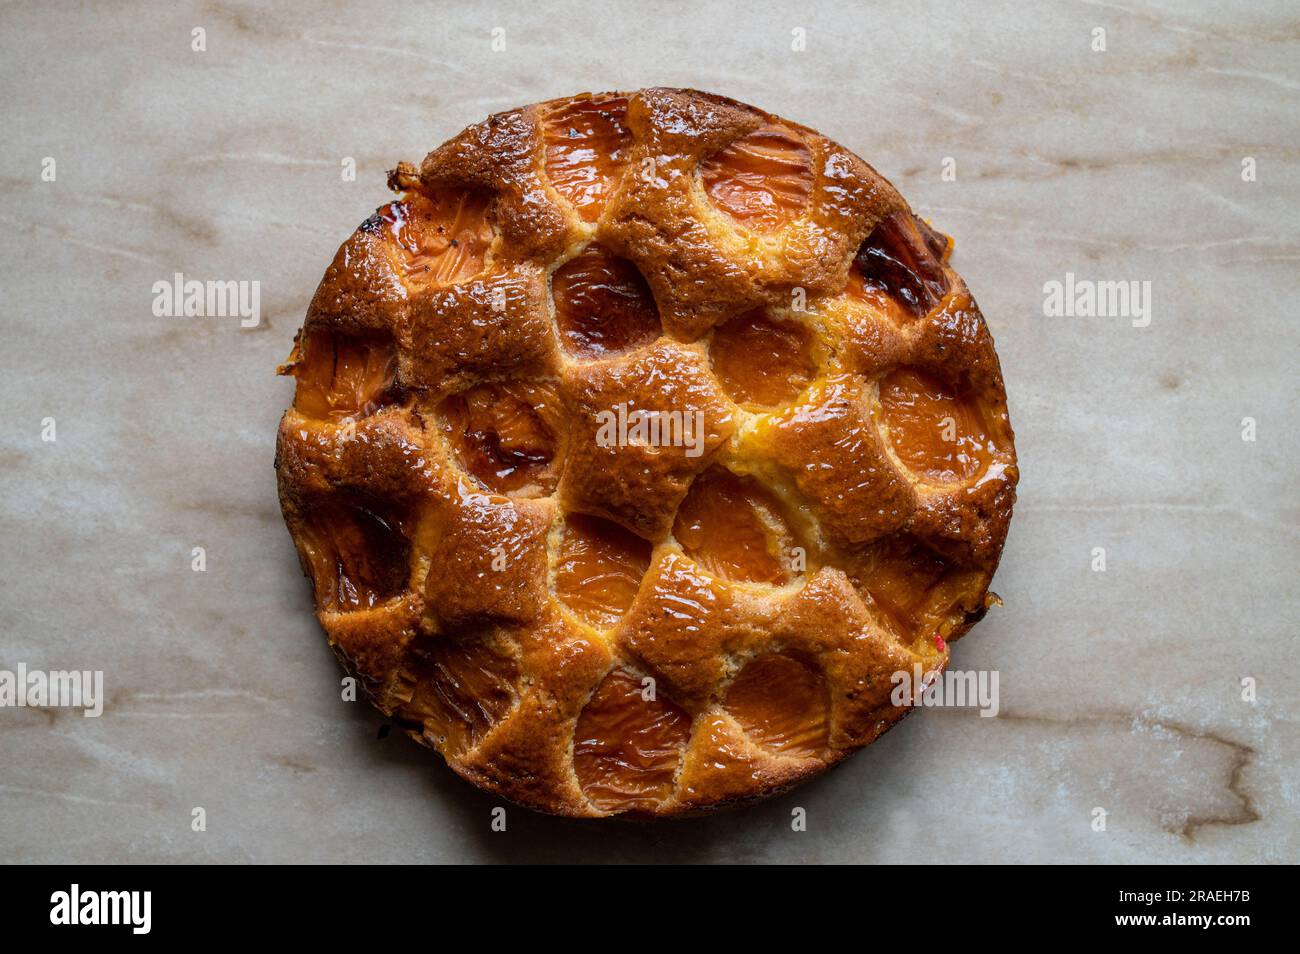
x=636, y=446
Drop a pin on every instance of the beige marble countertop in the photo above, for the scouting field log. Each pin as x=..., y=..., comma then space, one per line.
x=1120, y=690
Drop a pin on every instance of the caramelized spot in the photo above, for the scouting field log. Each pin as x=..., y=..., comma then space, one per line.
x=937, y=435
x=602, y=304
x=761, y=361
x=342, y=376
x=586, y=149
x=599, y=569
x=358, y=554
x=939, y=244
x=898, y=261
x=733, y=528
x=504, y=435
x=463, y=686
x=781, y=702
x=440, y=236
x=763, y=180
x=626, y=749
x=874, y=295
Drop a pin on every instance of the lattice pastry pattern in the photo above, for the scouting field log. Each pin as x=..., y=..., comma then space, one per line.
x=595, y=626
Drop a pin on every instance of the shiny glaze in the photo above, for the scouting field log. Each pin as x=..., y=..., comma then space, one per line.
x=440, y=236
x=917, y=411
x=626, y=749
x=900, y=573
x=358, y=555
x=342, y=376
x=599, y=569
x=782, y=704
x=602, y=304
x=464, y=686
x=503, y=435
x=732, y=528
x=762, y=180
x=900, y=261
x=586, y=149
x=762, y=361
x=877, y=297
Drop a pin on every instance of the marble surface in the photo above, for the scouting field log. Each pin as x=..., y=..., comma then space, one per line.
x=1119, y=690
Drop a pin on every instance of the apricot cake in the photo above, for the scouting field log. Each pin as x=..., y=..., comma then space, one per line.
x=588, y=620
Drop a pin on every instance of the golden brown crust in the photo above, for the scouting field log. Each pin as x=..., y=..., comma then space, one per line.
x=644, y=627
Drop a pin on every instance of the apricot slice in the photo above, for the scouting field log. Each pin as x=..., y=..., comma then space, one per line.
x=763, y=180
x=937, y=435
x=900, y=573
x=340, y=376
x=874, y=295
x=733, y=528
x=586, y=149
x=503, y=433
x=782, y=704
x=602, y=304
x=900, y=262
x=762, y=361
x=464, y=686
x=599, y=569
x=358, y=556
x=441, y=236
x=626, y=748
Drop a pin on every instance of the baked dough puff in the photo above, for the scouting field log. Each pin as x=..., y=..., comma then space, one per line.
x=596, y=620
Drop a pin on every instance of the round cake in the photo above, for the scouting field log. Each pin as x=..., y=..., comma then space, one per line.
x=636, y=446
